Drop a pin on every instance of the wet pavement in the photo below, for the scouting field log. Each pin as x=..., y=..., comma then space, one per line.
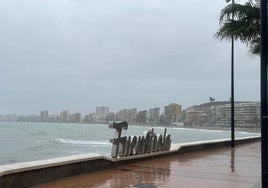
x=215, y=168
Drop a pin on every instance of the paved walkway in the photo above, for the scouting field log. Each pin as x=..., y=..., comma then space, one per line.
x=217, y=168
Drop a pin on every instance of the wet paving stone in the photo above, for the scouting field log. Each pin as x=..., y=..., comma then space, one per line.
x=225, y=167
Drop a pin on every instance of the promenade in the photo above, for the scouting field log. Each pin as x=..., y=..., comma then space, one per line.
x=223, y=167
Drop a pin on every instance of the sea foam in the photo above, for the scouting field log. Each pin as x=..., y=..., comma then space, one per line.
x=82, y=142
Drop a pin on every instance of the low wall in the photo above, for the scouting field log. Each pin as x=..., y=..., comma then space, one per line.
x=38, y=172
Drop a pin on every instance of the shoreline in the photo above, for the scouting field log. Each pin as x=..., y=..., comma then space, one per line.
x=237, y=129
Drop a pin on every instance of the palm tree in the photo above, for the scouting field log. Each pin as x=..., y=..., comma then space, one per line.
x=243, y=23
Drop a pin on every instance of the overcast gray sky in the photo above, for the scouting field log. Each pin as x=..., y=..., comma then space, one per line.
x=79, y=54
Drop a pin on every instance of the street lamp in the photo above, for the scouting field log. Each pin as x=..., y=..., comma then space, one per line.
x=232, y=85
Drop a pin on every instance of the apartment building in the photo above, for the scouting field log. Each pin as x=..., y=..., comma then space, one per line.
x=101, y=113
x=172, y=113
x=142, y=117
x=196, y=117
x=44, y=116
x=131, y=115
x=65, y=116
x=247, y=114
x=154, y=116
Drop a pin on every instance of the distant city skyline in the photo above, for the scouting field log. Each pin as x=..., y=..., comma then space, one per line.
x=110, y=109
x=95, y=110
x=213, y=114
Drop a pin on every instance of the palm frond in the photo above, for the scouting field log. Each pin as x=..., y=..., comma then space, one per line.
x=238, y=12
x=255, y=46
x=241, y=22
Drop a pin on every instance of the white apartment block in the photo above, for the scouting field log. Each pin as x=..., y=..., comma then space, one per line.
x=154, y=115
x=131, y=115
x=196, y=117
x=102, y=112
x=121, y=115
x=247, y=114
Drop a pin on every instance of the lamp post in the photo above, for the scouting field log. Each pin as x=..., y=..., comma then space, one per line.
x=264, y=94
x=232, y=87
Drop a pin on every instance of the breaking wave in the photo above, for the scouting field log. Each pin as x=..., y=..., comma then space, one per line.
x=83, y=142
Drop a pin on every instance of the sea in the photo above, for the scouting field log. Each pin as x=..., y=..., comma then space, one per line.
x=23, y=142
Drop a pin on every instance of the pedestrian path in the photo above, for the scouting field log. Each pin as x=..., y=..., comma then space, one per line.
x=214, y=168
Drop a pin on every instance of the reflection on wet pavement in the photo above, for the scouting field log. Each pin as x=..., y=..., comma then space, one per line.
x=225, y=167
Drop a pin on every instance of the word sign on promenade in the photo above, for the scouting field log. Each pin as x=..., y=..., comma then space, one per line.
x=136, y=145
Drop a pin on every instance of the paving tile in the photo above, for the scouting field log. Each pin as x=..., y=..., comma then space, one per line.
x=216, y=168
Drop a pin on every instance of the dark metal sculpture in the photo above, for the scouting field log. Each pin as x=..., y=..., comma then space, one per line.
x=136, y=145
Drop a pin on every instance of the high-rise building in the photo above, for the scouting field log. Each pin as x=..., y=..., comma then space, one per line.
x=121, y=115
x=172, y=113
x=111, y=116
x=44, y=116
x=142, y=117
x=65, y=116
x=91, y=118
x=102, y=112
x=154, y=116
x=131, y=115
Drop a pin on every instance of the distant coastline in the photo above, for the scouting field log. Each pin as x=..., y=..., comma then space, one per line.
x=238, y=129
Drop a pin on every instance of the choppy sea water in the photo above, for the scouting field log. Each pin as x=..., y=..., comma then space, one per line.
x=21, y=142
